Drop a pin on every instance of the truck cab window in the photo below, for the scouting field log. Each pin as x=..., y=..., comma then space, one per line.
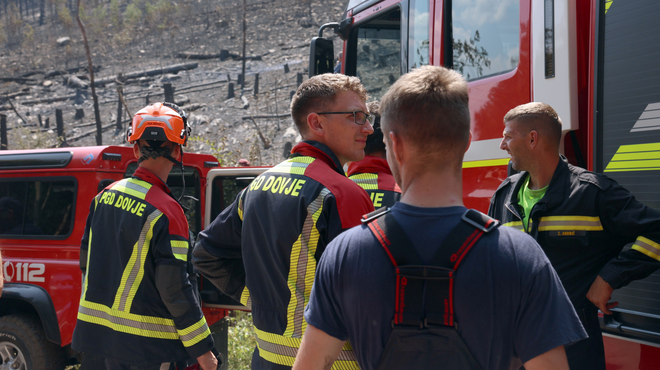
x=376, y=49
x=418, y=34
x=486, y=37
x=37, y=208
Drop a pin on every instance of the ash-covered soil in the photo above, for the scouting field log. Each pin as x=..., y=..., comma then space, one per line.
x=278, y=36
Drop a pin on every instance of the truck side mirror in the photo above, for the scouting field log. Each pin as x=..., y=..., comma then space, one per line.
x=321, y=56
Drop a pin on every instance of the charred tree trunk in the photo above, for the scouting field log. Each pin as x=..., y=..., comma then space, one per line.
x=42, y=12
x=97, y=113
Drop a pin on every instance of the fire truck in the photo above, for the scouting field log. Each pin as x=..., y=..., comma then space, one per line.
x=594, y=61
x=44, y=202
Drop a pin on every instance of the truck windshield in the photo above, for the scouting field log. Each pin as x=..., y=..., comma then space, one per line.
x=376, y=50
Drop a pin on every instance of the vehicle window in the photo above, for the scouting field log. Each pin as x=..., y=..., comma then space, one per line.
x=377, y=53
x=37, y=208
x=190, y=199
x=418, y=34
x=486, y=36
x=225, y=190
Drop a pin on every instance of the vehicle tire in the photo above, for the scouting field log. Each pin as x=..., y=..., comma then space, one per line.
x=23, y=345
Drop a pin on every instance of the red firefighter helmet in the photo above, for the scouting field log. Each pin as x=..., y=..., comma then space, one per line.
x=160, y=121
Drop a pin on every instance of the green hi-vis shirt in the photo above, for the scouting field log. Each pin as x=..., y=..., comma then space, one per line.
x=527, y=198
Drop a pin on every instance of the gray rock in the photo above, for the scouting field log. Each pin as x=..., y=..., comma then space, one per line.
x=63, y=41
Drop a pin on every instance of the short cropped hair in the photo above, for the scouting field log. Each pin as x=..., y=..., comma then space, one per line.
x=315, y=94
x=429, y=106
x=375, y=142
x=538, y=116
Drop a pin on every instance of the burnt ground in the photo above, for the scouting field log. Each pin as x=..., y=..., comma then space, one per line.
x=278, y=36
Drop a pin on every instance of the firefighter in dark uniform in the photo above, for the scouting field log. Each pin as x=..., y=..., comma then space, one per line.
x=263, y=249
x=581, y=219
x=373, y=173
x=138, y=309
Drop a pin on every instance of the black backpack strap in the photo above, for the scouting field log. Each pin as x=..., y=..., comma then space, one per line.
x=398, y=247
x=411, y=307
x=439, y=306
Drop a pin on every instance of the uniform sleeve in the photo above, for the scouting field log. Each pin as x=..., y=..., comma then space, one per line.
x=544, y=308
x=632, y=221
x=84, y=242
x=323, y=310
x=171, y=259
x=217, y=254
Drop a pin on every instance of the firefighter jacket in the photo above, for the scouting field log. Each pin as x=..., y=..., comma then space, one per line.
x=582, y=223
x=270, y=239
x=137, y=304
x=373, y=174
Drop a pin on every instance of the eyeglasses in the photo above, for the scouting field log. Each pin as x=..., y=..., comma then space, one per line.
x=359, y=116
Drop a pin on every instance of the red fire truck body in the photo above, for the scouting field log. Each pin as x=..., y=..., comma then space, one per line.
x=594, y=61
x=43, y=281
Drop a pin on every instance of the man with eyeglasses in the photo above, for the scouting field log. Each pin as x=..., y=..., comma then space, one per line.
x=263, y=249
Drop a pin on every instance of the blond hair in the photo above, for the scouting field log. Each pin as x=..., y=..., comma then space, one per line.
x=315, y=94
x=429, y=107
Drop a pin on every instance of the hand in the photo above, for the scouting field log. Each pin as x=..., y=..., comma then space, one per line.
x=600, y=293
x=208, y=361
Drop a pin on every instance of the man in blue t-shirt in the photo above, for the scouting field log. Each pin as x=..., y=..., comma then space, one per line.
x=509, y=304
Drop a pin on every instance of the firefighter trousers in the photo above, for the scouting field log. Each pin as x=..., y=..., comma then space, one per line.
x=588, y=353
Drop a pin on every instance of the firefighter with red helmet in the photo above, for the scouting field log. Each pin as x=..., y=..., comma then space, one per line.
x=138, y=308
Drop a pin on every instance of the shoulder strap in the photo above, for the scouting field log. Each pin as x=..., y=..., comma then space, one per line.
x=413, y=278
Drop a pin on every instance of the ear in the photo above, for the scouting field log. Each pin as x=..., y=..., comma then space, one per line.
x=469, y=142
x=176, y=152
x=397, y=147
x=136, y=150
x=315, y=125
x=533, y=139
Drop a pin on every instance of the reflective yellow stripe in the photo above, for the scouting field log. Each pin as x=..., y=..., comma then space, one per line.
x=246, y=300
x=303, y=267
x=368, y=181
x=296, y=166
x=194, y=333
x=125, y=322
x=134, y=271
x=608, y=3
x=639, y=157
x=487, y=163
x=180, y=249
x=570, y=223
x=86, y=275
x=240, y=206
x=282, y=350
x=648, y=247
x=134, y=187
x=516, y=225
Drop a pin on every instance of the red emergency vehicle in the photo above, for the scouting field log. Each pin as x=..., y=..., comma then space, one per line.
x=594, y=61
x=44, y=203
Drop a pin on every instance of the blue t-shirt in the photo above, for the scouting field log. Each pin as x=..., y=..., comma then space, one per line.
x=509, y=303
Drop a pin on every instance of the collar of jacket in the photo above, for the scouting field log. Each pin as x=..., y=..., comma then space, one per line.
x=317, y=150
x=554, y=196
x=369, y=164
x=148, y=176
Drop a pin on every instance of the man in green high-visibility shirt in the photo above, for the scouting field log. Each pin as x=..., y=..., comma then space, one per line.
x=581, y=219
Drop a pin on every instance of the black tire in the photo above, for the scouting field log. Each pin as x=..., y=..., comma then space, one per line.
x=22, y=340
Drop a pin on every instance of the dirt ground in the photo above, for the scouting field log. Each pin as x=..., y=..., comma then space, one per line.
x=278, y=36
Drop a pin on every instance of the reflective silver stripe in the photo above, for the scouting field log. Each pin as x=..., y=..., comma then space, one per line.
x=306, y=250
x=137, y=263
x=152, y=118
x=179, y=250
x=195, y=333
x=277, y=348
x=134, y=185
x=127, y=322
